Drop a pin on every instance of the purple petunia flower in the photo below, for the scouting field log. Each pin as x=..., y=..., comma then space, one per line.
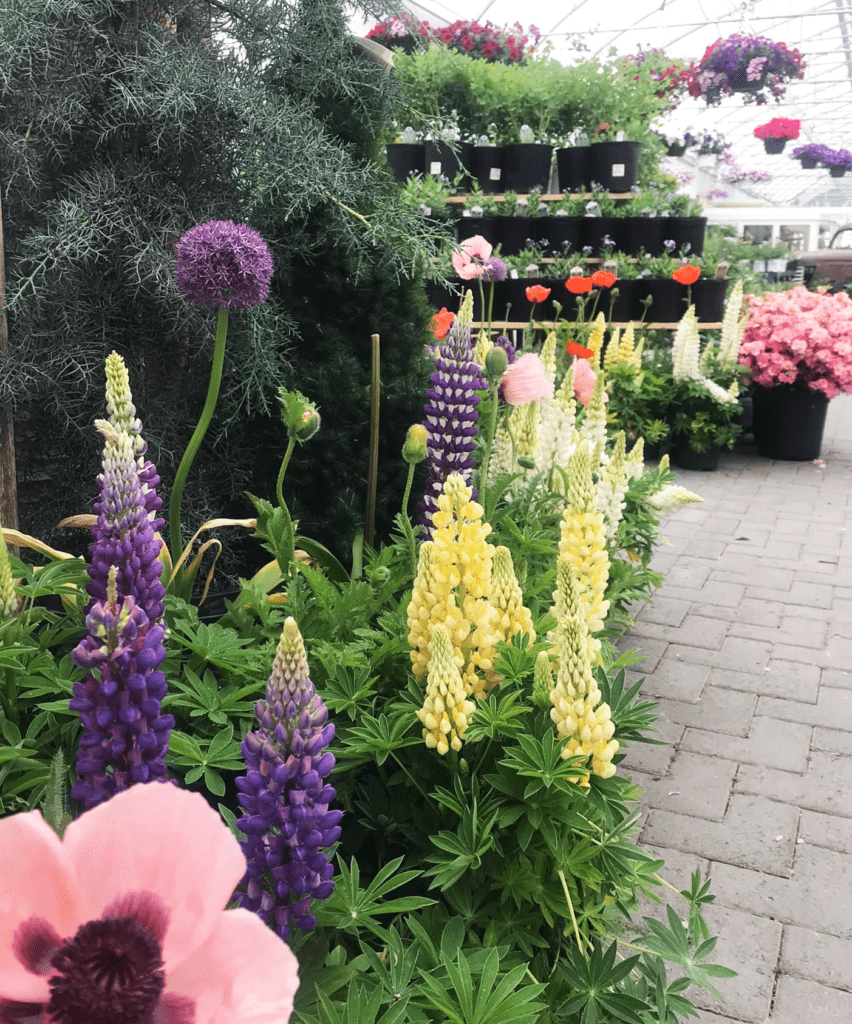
x=287, y=821
x=451, y=416
x=220, y=263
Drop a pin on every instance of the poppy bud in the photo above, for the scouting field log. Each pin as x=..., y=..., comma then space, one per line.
x=495, y=363
x=414, y=449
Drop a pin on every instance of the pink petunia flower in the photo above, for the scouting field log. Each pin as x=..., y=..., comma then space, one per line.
x=123, y=919
x=525, y=380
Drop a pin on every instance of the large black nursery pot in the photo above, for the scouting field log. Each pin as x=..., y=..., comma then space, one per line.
x=467, y=227
x=626, y=306
x=668, y=299
x=514, y=233
x=440, y=159
x=646, y=233
x=575, y=172
x=685, y=231
x=708, y=294
x=486, y=167
x=615, y=165
x=774, y=146
x=686, y=457
x=676, y=149
x=789, y=420
x=520, y=305
x=597, y=229
x=527, y=166
x=440, y=297
x=562, y=234
x=405, y=158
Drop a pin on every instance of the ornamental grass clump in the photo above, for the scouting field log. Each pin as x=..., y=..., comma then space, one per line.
x=284, y=796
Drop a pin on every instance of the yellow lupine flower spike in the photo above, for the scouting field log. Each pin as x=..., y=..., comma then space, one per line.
x=548, y=356
x=613, y=349
x=627, y=348
x=446, y=709
x=508, y=599
x=596, y=338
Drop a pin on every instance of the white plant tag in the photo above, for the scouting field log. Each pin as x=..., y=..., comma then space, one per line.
x=495, y=174
x=618, y=170
x=435, y=167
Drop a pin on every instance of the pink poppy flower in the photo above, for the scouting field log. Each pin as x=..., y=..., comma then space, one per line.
x=584, y=380
x=123, y=919
x=474, y=248
x=525, y=380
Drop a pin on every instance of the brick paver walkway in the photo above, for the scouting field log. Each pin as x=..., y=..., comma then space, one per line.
x=748, y=646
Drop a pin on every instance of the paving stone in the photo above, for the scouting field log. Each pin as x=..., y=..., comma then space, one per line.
x=676, y=679
x=650, y=650
x=822, y=958
x=717, y=710
x=798, y=1000
x=827, y=830
x=677, y=871
x=780, y=679
x=665, y=611
x=743, y=655
x=758, y=613
x=816, y=657
x=759, y=576
x=748, y=836
x=833, y=708
x=696, y=630
x=825, y=786
x=771, y=742
x=819, y=595
x=808, y=639
x=839, y=649
x=793, y=526
x=689, y=573
x=711, y=592
x=655, y=758
x=834, y=740
x=746, y=998
x=793, y=900
x=695, y=785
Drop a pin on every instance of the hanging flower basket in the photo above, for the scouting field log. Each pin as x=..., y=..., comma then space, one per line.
x=755, y=66
x=776, y=132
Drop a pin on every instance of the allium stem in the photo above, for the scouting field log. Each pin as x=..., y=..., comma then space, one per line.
x=198, y=436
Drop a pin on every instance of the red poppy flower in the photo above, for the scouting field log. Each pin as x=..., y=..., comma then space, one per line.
x=579, y=285
x=441, y=323
x=603, y=279
x=573, y=349
x=537, y=293
x=687, y=274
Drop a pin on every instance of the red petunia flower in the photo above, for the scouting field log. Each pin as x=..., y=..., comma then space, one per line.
x=579, y=285
x=603, y=279
x=573, y=349
x=687, y=274
x=441, y=323
x=537, y=293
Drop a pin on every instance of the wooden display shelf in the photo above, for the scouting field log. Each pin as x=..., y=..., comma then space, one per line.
x=518, y=324
x=550, y=197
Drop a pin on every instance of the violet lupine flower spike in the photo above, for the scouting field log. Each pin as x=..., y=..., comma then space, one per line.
x=287, y=821
x=450, y=411
x=125, y=737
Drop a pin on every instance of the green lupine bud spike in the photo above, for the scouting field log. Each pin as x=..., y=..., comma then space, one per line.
x=8, y=598
x=542, y=680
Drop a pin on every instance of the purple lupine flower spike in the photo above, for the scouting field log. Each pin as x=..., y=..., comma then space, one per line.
x=287, y=821
x=125, y=737
x=450, y=411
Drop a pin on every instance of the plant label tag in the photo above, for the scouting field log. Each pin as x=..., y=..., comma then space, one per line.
x=513, y=274
x=618, y=170
x=435, y=167
x=495, y=174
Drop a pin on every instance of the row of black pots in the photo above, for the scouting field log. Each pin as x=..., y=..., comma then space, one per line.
x=669, y=300
x=563, y=235
x=520, y=167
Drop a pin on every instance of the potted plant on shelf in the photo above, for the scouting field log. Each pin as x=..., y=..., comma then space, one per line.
x=810, y=156
x=798, y=347
x=753, y=65
x=406, y=156
x=527, y=162
x=838, y=161
x=573, y=166
x=776, y=132
x=613, y=161
x=707, y=143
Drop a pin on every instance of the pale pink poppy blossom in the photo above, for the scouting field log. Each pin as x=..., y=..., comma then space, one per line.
x=474, y=248
x=584, y=380
x=124, y=919
x=525, y=380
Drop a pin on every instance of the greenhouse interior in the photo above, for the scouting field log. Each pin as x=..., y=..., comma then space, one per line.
x=425, y=506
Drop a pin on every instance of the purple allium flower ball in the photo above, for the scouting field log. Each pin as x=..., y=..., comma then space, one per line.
x=220, y=263
x=495, y=269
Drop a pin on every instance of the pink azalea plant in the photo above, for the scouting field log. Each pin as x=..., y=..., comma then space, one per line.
x=123, y=919
x=467, y=259
x=800, y=337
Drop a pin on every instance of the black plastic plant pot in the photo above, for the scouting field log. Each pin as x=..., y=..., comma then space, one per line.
x=676, y=149
x=441, y=160
x=837, y=172
x=527, y=166
x=687, y=458
x=574, y=169
x=646, y=233
x=514, y=233
x=486, y=167
x=562, y=234
x=467, y=227
x=519, y=305
x=597, y=230
x=708, y=294
x=668, y=299
x=774, y=146
x=626, y=306
x=686, y=231
x=615, y=165
x=406, y=158
x=809, y=163
x=440, y=297
x=789, y=420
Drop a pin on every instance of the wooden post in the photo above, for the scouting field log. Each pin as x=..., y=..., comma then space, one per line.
x=8, y=476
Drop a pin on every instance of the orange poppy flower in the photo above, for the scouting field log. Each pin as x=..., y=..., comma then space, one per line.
x=441, y=323
x=573, y=349
x=603, y=279
x=537, y=293
x=687, y=274
x=579, y=285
